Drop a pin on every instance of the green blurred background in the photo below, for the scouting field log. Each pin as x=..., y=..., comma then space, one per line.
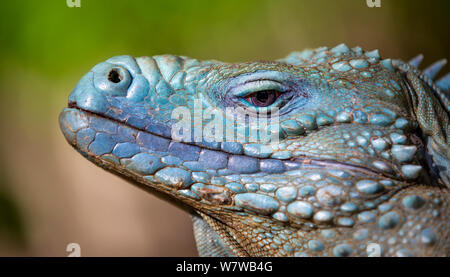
x=50, y=196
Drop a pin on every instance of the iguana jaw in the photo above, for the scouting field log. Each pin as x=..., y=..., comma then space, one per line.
x=82, y=128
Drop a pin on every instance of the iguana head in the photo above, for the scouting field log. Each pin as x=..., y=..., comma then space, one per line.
x=324, y=152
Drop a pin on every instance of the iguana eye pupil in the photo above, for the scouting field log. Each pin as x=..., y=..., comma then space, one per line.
x=114, y=76
x=263, y=98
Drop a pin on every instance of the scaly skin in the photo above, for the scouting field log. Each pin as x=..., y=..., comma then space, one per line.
x=361, y=164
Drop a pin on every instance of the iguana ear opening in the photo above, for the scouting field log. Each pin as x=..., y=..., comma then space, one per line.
x=433, y=119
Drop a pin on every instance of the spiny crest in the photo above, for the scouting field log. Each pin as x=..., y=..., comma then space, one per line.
x=433, y=70
x=444, y=83
x=441, y=87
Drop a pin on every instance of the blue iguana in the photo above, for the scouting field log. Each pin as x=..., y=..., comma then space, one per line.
x=360, y=165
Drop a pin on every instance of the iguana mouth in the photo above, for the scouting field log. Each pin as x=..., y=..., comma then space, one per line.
x=289, y=164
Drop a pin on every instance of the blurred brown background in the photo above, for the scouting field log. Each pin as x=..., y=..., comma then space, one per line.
x=50, y=196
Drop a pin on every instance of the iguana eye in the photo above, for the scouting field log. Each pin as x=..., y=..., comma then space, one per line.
x=263, y=98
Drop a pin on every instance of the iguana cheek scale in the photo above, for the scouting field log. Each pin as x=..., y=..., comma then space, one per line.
x=362, y=158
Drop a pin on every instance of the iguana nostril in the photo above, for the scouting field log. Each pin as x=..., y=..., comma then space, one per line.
x=115, y=76
x=111, y=79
